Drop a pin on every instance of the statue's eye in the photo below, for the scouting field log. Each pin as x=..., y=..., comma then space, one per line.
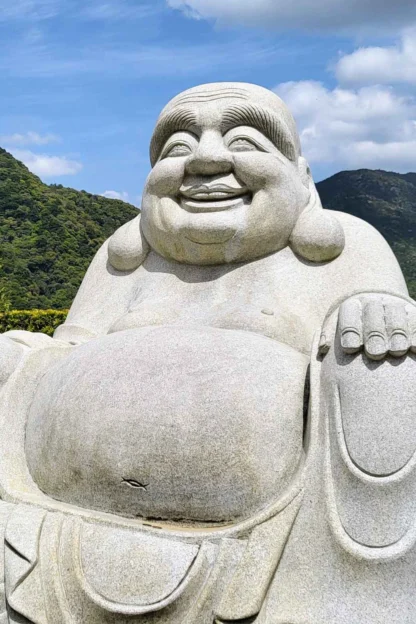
x=179, y=149
x=243, y=145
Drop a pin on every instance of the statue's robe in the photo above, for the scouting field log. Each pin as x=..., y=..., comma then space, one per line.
x=338, y=540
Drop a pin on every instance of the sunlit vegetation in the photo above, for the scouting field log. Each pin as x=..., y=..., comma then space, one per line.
x=48, y=237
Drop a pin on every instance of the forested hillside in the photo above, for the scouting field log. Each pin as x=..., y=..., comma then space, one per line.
x=385, y=199
x=48, y=235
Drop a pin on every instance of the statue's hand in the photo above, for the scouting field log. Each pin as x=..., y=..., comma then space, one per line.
x=10, y=355
x=33, y=340
x=381, y=324
x=14, y=344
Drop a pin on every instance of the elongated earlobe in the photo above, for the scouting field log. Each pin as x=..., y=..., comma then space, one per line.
x=318, y=236
x=127, y=247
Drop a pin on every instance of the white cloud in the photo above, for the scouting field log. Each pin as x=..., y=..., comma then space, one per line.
x=124, y=196
x=370, y=127
x=47, y=166
x=28, y=138
x=320, y=14
x=29, y=9
x=382, y=65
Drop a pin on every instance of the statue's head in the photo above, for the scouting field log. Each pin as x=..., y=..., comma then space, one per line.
x=228, y=182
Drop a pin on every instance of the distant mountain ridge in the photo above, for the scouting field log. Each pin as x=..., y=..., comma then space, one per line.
x=385, y=199
x=49, y=234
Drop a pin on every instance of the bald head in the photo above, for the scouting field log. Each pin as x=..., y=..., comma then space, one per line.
x=229, y=104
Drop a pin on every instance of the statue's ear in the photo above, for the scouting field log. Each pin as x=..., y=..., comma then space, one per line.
x=318, y=236
x=128, y=247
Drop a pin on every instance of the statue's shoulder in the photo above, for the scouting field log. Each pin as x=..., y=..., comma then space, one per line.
x=367, y=256
x=360, y=236
x=352, y=224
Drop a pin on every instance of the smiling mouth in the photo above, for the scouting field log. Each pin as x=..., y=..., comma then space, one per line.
x=213, y=199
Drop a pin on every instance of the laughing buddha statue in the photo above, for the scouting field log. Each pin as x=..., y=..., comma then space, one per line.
x=223, y=429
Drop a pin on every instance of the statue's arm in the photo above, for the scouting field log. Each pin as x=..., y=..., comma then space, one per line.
x=368, y=378
x=107, y=288
x=368, y=262
x=96, y=303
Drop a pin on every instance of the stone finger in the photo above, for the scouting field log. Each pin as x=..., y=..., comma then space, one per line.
x=350, y=325
x=375, y=338
x=396, y=326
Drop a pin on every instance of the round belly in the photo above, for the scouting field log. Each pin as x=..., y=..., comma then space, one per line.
x=168, y=423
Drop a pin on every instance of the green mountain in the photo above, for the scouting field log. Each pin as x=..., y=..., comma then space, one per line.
x=48, y=236
x=385, y=199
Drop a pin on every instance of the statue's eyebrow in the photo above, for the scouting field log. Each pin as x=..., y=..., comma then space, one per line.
x=174, y=121
x=264, y=120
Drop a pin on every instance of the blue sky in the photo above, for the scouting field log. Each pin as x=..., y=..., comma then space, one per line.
x=82, y=82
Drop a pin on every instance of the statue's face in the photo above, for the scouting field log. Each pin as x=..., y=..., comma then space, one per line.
x=225, y=185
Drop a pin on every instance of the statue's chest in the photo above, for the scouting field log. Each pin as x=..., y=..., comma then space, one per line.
x=247, y=298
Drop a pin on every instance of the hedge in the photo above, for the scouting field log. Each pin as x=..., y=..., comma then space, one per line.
x=45, y=321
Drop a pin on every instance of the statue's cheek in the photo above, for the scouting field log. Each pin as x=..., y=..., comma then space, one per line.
x=260, y=170
x=166, y=177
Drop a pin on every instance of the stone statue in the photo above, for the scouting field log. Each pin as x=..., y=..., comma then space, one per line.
x=223, y=431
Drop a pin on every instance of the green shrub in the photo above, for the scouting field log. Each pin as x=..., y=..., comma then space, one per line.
x=45, y=321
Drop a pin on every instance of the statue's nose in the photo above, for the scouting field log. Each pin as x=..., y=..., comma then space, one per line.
x=210, y=157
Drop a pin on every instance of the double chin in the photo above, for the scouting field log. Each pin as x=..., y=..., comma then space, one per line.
x=208, y=238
